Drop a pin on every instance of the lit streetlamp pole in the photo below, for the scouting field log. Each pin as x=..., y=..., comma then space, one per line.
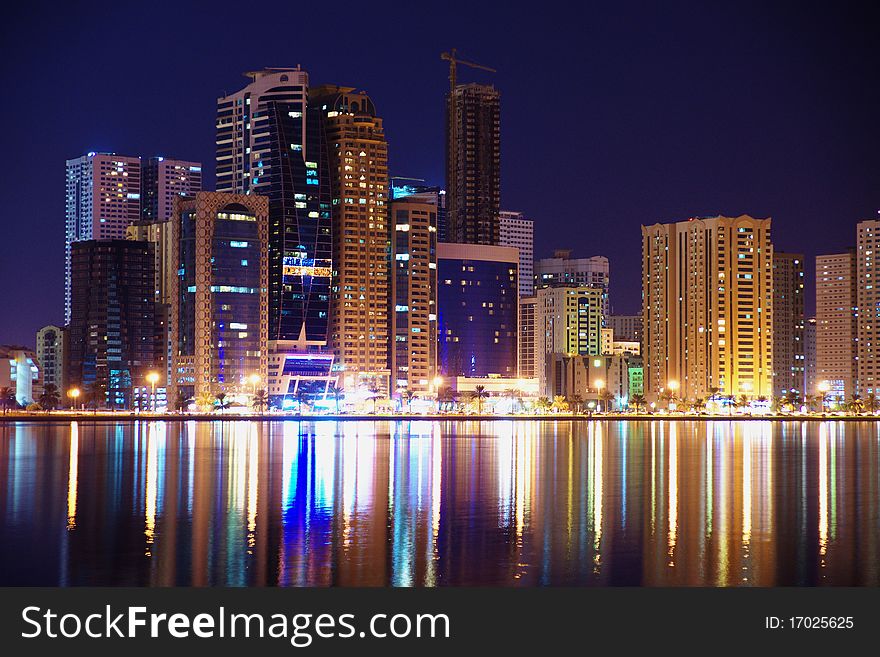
x=599, y=385
x=673, y=386
x=73, y=393
x=153, y=377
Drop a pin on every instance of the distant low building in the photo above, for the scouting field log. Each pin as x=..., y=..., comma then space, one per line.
x=19, y=370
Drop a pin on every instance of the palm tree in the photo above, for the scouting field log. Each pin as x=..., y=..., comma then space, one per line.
x=182, y=401
x=406, y=397
x=713, y=393
x=559, y=403
x=699, y=404
x=856, y=404
x=795, y=399
x=301, y=397
x=543, y=404
x=742, y=401
x=781, y=403
x=221, y=400
x=7, y=398
x=50, y=398
x=815, y=400
x=872, y=403
x=668, y=396
x=478, y=395
x=96, y=393
x=577, y=401
x=337, y=395
x=260, y=401
x=638, y=401
x=446, y=395
x=512, y=394
x=205, y=401
x=373, y=393
x=606, y=397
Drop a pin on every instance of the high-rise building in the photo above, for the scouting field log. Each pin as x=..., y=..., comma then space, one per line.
x=528, y=358
x=270, y=142
x=477, y=302
x=836, y=324
x=516, y=230
x=627, y=328
x=419, y=191
x=111, y=344
x=103, y=197
x=219, y=299
x=414, y=294
x=562, y=269
x=707, y=290
x=50, y=355
x=788, y=323
x=163, y=179
x=811, y=376
x=473, y=164
x=358, y=157
x=868, y=304
x=568, y=321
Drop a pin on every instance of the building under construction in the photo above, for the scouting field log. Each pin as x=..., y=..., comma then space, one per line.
x=473, y=160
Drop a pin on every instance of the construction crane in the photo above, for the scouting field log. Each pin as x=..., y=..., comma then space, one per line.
x=454, y=61
x=451, y=182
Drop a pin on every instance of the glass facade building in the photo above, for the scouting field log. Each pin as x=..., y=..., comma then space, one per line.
x=219, y=314
x=270, y=142
x=477, y=300
x=111, y=336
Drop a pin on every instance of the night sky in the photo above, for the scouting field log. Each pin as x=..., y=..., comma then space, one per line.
x=611, y=116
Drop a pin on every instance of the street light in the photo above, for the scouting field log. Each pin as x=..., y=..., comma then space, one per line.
x=153, y=377
x=73, y=393
x=673, y=386
x=824, y=387
x=599, y=385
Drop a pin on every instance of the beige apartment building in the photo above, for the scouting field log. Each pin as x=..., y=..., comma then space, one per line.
x=360, y=289
x=836, y=324
x=414, y=286
x=708, y=307
x=868, y=304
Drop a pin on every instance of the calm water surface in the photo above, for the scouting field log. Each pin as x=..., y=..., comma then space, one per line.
x=423, y=503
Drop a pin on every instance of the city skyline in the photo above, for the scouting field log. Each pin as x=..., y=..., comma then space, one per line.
x=771, y=136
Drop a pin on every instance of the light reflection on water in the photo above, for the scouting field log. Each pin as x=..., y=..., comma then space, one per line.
x=422, y=503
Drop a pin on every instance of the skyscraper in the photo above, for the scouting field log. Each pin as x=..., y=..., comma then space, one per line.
x=477, y=300
x=516, y=230
x=111, y=336
x=627, y=328
x=103, y=197
x=868, y=304
x=219, y=299
x=473, y=164
x=562, y=269
x=836, y=323
x=50, y=354
x=270, y=142
x=788, y=323
x=358, y=164
x=414, y=294
x=163, y=179
x=707, y=288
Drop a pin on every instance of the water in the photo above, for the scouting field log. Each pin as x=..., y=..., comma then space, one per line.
x=610, y=503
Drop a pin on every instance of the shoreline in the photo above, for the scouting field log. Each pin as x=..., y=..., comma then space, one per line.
x=443, y=417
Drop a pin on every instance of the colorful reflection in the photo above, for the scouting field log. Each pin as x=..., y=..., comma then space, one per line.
x=421, y=503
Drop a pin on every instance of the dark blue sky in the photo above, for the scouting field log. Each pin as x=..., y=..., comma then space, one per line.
x=612, y=116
